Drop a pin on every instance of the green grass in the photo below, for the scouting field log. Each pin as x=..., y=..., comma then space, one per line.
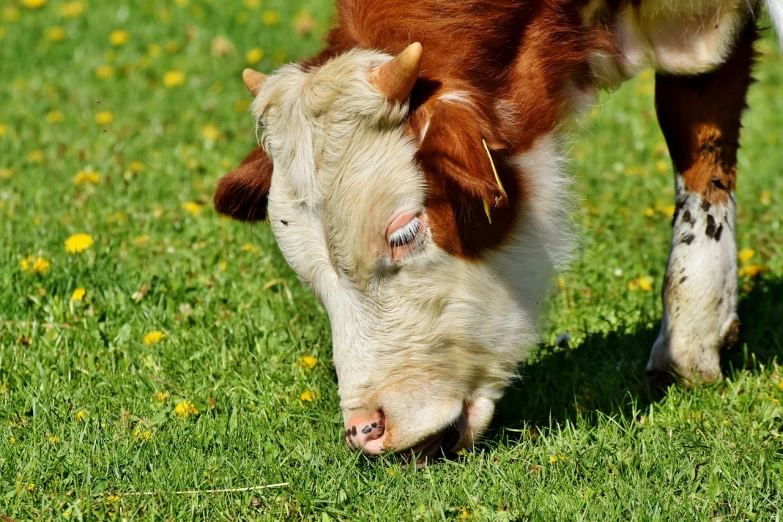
x=81, y=426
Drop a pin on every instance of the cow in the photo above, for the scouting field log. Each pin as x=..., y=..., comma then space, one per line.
x=414, y=178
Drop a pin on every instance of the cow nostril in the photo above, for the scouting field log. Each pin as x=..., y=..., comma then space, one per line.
x=364, y=432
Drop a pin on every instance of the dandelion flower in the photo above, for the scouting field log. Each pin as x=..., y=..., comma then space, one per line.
x=270, y=17
x=104, y=118
x=141, y=240
x=78, y=294
x=33, y=4
x=254, y=55
x=3, y=129
x=78, y=243
x=71, y=9
x=173, y=79
x=641, y=283
x=185, y=409
x=136, y=166
x=36, y=156
x=55, y=116
x=86, y=176
x=56, y=34
x=154, y=337
x=252, y=4
x=154, y=50
x=119, y=37
x=765, y=198
x=112, y=499
x=662, y=167
x=5, y=173
x=249, y=247
x=552, y=459
x=751, y=271
x=53, y=439
x=40, y=266
x=10, y=14
x=104, y=72
x=241, y=106
x=746, y=254
x=79, y=416
x=307, y=396
x=307, y=362
x=161, y=397
x=191, y=207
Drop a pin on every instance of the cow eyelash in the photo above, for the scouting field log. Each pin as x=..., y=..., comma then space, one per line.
x=406, y=234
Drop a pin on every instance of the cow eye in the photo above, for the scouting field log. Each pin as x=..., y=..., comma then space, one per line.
x=406, y=234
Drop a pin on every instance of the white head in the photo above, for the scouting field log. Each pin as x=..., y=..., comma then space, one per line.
x=430, y=312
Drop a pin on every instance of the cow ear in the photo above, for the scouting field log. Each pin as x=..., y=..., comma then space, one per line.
x=242, y=193
x=460, y=147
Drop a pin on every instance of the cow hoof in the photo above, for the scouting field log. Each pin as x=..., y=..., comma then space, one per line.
x=688, y=364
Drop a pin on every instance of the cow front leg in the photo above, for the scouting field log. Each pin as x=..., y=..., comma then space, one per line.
x=700, y=119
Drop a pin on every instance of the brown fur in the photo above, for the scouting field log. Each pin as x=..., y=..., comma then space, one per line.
x=531, y=56
x=700, y=119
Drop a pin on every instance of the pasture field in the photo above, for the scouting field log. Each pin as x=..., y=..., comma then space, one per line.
x=149, y=347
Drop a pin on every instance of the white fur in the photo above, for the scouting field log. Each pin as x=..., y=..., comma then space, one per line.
x=422, y=338
x=674, y=36
x=700, y=289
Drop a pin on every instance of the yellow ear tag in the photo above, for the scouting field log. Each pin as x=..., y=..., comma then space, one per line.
x=497, y=179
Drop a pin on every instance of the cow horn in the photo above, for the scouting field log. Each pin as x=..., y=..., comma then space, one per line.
x=396, y=77
x=254, y=80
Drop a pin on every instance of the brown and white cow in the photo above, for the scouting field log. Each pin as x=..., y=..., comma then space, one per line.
x=414, y=179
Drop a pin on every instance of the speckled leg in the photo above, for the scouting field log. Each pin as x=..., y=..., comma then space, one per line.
x=700, y=118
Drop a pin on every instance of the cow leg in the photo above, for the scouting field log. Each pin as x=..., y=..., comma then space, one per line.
x=700, y=119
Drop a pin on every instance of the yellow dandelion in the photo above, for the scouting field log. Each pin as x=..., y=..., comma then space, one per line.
x=78, y=243
x=33, y=4
x=552, y=459
x=10, y=13
x=12, y=440
x=2, y=32
x=252, y=4
x=31, y=485
x=136, y=166
x=270, y=17
x=765, y=198
x=249, y=247
x=71, y=9
x=6, y=173
x=112, y=499
x=752, y=271
x=3, y=129
x=39, y=266
x=36, y=156
x=649, y=212
x=55, y=116
x=641, y=283
x=254, y=55
x=173, y=47
x=662, y=167
x=104, y=72
x=141, y=240
x=154, y=50
x=780, y=385
x=161, y=397
x=173, y=79
x=53, y=439
x=223, y=266
x=79, y=417
x=307, y=362
x=668, y=211
x=154, y=337
x=119, y=37
x=104, y=118
x=185, y=409
x=746, y=254
x=78, y=294
x=56, y=34
x=191, y=207
x=142, y=435
x=210, y=132
x=86, y=176
x=307, y=396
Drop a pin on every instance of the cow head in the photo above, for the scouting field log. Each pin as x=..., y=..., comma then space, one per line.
x=383, y=210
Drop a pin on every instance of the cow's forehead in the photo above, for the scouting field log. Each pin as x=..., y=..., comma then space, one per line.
x=340, y=150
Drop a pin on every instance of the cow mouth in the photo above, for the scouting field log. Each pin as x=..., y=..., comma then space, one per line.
x=442, y=444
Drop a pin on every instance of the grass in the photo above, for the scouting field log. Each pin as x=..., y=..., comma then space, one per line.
x=92, y=415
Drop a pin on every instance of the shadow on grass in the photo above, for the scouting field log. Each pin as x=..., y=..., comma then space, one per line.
x=606, y=373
